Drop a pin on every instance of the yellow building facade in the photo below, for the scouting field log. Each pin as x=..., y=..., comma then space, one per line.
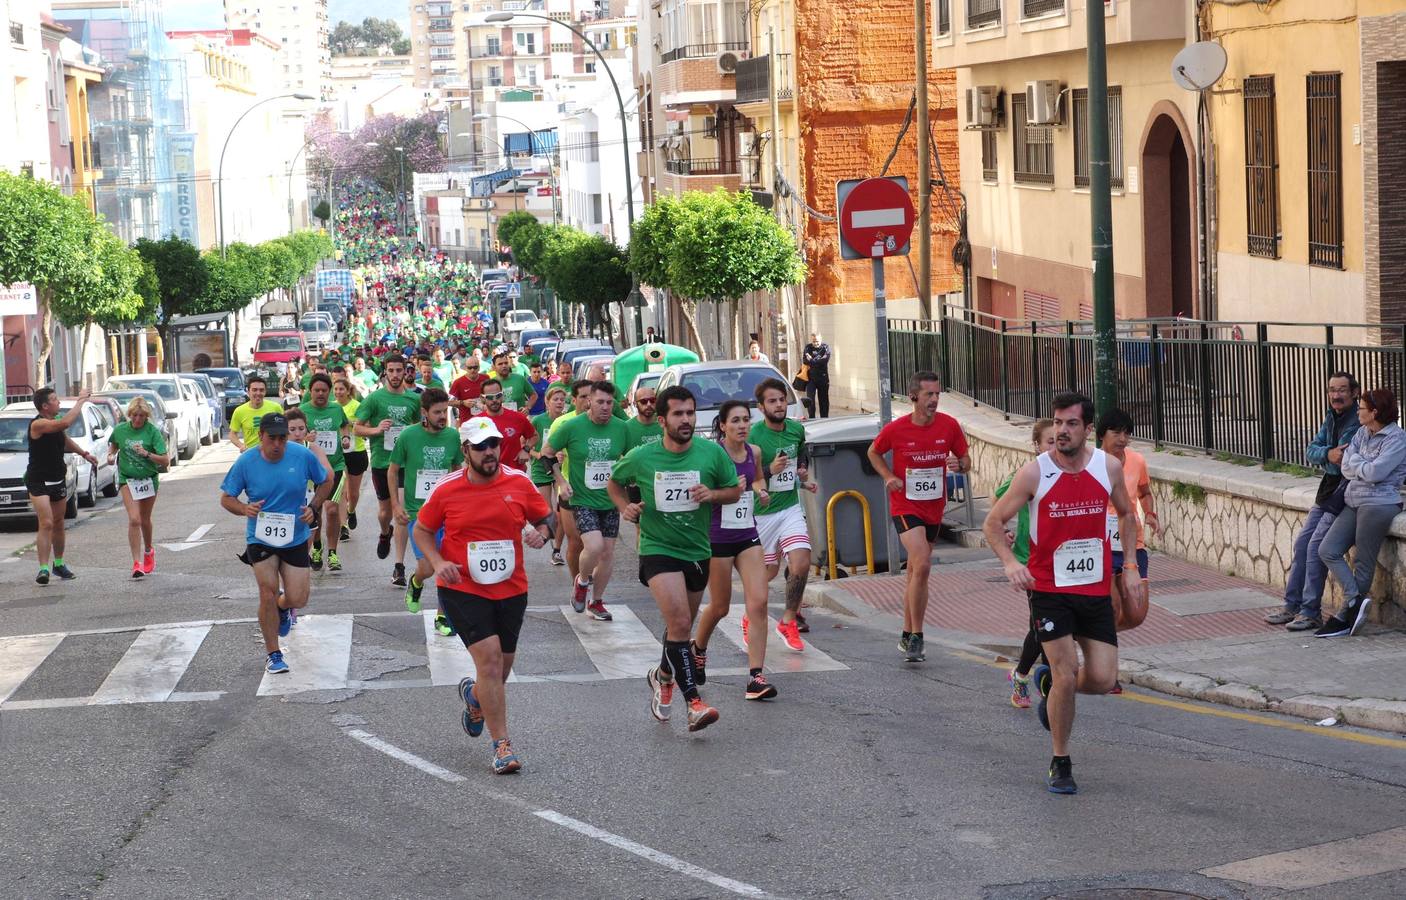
x=77, y=77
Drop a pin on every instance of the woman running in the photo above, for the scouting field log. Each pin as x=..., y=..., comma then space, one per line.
x=354, y=453
x=539, y=473
x=139, y=449
x=735, y=544
x=1042, y=434
x=298, y=434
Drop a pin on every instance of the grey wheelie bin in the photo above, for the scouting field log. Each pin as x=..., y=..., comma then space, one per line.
x=836, y=448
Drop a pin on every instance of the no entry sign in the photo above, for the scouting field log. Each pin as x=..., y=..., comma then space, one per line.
x=876, y=217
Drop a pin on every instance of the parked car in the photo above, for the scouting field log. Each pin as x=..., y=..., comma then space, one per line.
x=90, y=432
x=235, y=390
x=515, y=322
x=192, y=413
x=716, y=382
x=583, y=363
x=318, y=331
x=642, y=380
x=165, y=419
x=542, y=348
x=595, y=348
x=275, y=347
x=529, y=335
x=335, y=310
x=14, y=459
x=211, y=395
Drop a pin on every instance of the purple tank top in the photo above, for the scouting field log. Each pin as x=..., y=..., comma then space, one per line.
x=720, y=535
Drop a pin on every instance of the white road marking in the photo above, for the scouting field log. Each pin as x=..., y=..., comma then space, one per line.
x=193, y=541
x=586, y=829
x=20, y=656
x=779, y=659
x=623, y=648
x=152, y=667
x=449, y=659
x=1321, y=864
x=318, y=651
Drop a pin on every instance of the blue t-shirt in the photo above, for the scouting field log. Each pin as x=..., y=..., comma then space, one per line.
x=539, y=405
x=281, y=485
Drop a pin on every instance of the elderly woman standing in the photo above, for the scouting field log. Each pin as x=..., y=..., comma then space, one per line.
x=140, y=451
x=1374, y=464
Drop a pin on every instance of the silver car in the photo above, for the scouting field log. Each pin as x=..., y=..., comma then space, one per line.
x=14, y=459
x=714, y=383
x=318, y=331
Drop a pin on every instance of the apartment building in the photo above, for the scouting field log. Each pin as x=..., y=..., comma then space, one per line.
x=299, y=28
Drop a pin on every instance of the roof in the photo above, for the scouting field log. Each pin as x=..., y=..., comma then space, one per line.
x=198, y=321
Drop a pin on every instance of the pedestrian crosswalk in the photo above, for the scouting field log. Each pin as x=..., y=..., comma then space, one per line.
x=163, y=663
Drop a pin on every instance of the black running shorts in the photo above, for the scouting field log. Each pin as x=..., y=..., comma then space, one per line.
x=906, y=523
x=606, y=521
x=356, y=462
x=380, y=478
x=295, y=556
x=1054, y=616
x=477, y=618
x=695, y=574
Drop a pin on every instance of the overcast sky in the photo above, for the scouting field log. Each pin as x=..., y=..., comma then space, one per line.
x=188, y=14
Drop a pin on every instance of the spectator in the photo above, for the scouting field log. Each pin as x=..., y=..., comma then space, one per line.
x=755, y=354
x=1374, y=465
x=816, y=357
x=1303, y=595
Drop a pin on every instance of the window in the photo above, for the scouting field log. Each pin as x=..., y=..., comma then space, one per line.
x=526, y=43
x=1031, y=9
x=1115, y=136
x=595, y=209
x=1261, y=167
x=989, y=170
x=495, y=47
x=983, y=13
x=1033, y=146
x=942, y=16
x=1325, y=183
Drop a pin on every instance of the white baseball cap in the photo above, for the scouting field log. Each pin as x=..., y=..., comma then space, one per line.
x=476, y=431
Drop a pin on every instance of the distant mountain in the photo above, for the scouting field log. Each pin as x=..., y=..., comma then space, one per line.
x=356, y=10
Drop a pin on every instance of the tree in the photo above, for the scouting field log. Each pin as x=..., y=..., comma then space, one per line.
x=322, y=211
x=371, y=36
x=401, y=47
x=535, y=247
x=182, y=276
x=515, y=227
x=348, y=158
x=590, y=270
x=110, y=299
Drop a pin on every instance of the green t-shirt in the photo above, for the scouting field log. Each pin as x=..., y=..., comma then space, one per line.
x=641, y=433
x=368, y=378
x=425, y=458
x=516, y=389
x=246, y=418
x=592, y=451
x=402, y=409
x=330, y=418
x=445, y=372
x=127, y=439
x=538, y=471
x=1021, y=547
x=681, y=534
x=781, y=486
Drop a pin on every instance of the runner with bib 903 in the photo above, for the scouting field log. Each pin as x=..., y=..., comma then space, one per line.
x=1067, y=579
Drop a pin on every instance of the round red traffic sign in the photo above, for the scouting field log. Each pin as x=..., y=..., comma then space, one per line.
x=877, y=217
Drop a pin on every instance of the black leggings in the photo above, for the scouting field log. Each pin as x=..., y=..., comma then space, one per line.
x=1029, y=653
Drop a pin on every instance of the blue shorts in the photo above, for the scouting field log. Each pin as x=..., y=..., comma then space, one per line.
x=414, y=548
x=1141, y=562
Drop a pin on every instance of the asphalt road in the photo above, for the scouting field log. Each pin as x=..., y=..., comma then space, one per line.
x=865, y=778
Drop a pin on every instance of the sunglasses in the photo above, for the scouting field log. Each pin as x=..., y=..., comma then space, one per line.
x=644, y=400
x=497, y=396
x=486, y=444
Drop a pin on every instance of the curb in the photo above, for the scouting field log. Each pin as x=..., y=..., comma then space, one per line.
x=1372, y=713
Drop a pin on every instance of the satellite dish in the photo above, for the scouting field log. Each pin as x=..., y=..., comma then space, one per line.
x=1199, y=65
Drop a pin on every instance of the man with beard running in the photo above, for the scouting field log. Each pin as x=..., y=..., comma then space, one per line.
x=424, y=455
x=382, y=416
x=516, y=428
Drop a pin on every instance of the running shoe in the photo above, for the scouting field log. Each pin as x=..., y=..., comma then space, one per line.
x=383, y=545
x=1117, y=688
x=916, y=653
x=1363, y=604
x=903, y=643
x=443, y=625
x=758, y=689
x=346, y=533
x=472, y=717
x=317, y=559
x=661, y=693
x=1020, y=690
x=42, y=577
x=149, y=561
x=398, y=575
x=744, y=628
x=334, y=563
x=1041, y=677
x=137, y=570
x=64, y=572
x=412, y=595
x=790, y=636
x=801, y=624
x=700, y=715
x=505, y=761
x=1043, y=711
x=1337, y=626
x=276, y=665
x=285, y=621
x=700, y=666
x=351, y=520
x=1061, y=777
x=556, y=557
x=1305, y=623
x=578, y=595
x=598, y=612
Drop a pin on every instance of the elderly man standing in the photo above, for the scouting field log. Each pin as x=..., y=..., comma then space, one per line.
x=816, y=356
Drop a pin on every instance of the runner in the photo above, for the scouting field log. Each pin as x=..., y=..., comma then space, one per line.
x=517, y=393
x=645, y=427
x=244, y=421
x=354, y=454
x=782, y=527
x=382, y=416
x=467, y=388
x=1042, y=435
x=479, y=573
x=299, y=433
x=539, y=385
x=274, y=480
x=363, y=376
x=1067, y=579
x=539, y=472
x=329, y=429
x=1115, y=432
x=926, y=445
x=516, y=428
x=680, y=479
x=139, y=449
x=593, y=443
x=46, y=476
x=424, y=455
x=566, y=519
x=736, y=544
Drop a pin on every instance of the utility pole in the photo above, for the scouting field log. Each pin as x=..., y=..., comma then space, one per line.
x=920, y=42
x=1101, y=203
x=778, y=308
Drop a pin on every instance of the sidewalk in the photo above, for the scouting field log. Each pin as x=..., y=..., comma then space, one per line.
x=1203, y=638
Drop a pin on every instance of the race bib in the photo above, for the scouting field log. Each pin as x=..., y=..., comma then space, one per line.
x=924, y=484
x=598, y=473
x=492, y=562
x=328, y=442
x=391, y=435
x=274, y=529
x=671, y=491
x=785, y=480
x=1114, y=539
x=738, y=516
x=1078, y=562
x=426, y=479
x=141, y=488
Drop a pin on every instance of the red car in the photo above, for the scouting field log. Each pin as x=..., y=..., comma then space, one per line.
x=280, y=346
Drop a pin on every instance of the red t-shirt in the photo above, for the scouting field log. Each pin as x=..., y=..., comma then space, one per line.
x=517, y=430
x=921, y=448
x=474, y=513
x=467, y=387
x=1069, y=549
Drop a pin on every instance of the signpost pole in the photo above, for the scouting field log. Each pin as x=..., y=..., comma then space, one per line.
x=881, y=340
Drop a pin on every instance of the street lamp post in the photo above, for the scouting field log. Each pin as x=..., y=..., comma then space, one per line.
x=220, y=175
x=400, y=209
x=624, y=134
x=293, y=165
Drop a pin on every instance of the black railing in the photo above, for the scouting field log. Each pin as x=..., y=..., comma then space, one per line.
x=711, y=166
x=700, y=51
x=754, y=78
x=1253, y=390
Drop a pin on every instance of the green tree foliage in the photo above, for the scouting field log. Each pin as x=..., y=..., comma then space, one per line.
x=652, y=241
x=367, y=39
x=534, y=247
x=182, y=277
x=322, y=211
x=590, y=270
x=516, y=227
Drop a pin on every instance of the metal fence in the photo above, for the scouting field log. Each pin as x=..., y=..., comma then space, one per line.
x=1254, y=390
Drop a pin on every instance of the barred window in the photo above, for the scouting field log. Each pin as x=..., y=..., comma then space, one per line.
x=1029, y=9
x=989, y=170
x=983, y=13
x=1261, y=167
x=1325, y=183
x=1033, y=146
x=1115, y=136
x=942, y=16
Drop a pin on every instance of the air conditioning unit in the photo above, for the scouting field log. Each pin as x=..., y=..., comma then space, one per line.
x=728, y=59
x=1042, y=102
x=984, y=106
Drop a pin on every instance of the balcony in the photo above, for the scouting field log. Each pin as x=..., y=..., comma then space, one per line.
x=699, y=174
x=754, y=79
x=990, y=32
x=441, y=25
x=701, y=51
x=689, y=75
x=490, y=51
x=712, y=166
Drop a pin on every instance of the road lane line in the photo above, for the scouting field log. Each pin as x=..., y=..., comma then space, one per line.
x=152, y=667
x=20, y=656
x=1320, y=864
x=319, y=653
x=779, y=659
x=586, y=829
x=623, y=648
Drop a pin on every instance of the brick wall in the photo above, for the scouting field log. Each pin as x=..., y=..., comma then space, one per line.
x=691, y=75
x=854, y=78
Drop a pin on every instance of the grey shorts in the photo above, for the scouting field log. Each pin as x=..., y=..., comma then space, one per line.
x=606, y=521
